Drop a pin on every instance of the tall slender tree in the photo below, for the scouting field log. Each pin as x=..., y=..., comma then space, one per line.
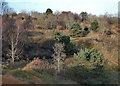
x=59, y=56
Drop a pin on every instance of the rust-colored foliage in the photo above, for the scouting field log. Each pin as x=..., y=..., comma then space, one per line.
x=39, y=64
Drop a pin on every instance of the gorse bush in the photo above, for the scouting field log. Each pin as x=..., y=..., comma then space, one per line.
x=94, y=25
x=75, y=30
x=90, y=55
x=55, y=34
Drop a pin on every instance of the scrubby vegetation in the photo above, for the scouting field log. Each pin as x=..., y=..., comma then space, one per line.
x=89, y=56
x=61, y=47
x=55, y=34
x=75, y=30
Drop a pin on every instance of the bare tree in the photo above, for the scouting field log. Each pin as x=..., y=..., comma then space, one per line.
x=51, y=21
x=67, y=18
x=13, y=35
x=59, y=56
x=4, y=8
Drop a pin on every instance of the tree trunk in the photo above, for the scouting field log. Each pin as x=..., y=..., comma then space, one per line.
x=13, y=53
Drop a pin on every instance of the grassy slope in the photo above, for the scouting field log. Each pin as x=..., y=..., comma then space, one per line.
x=91, y=36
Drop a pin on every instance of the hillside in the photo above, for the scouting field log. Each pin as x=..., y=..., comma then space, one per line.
x=59, y=48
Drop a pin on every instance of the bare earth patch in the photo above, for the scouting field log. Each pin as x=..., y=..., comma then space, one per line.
x=8, y=79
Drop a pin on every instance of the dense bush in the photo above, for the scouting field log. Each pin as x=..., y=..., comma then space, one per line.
x=90, y=55
x=75, y=30
x=55, y=34
x=70, y=48
x=94, y=25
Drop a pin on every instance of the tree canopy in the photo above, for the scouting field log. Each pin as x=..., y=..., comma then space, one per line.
x=49, y=11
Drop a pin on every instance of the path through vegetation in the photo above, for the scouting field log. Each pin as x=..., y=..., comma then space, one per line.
x=8, y=79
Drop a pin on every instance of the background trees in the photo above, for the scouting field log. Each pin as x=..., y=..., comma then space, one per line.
x=68, y=18
x=44, y=21
x=39, y=20
x=28, y=23
x=50, y=21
